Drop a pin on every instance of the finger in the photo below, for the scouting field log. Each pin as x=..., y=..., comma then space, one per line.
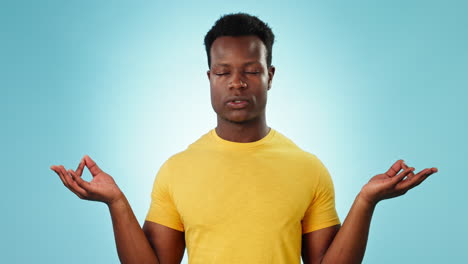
x=60, y=170
x=416, y=180
x=400, y=176
x=72, y=186
x=57, y=170
x=79, y=170
x=92, y=166
x=75, y=184
x=431, y=170
x=86, y=186
x=65, y=175
x=404, y=166
x=395, y=168
x=409, y=176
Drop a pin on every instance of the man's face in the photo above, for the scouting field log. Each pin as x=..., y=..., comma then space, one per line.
x=239, y=78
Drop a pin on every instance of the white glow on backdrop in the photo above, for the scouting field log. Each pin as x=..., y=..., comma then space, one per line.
x=358, y=84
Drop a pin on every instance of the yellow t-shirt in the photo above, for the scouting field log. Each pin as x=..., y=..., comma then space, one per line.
x=243, y=202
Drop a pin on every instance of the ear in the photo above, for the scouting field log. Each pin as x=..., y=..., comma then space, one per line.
x=271, y=72
x=208, y=73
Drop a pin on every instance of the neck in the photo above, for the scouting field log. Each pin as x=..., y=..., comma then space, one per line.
x=245, y=132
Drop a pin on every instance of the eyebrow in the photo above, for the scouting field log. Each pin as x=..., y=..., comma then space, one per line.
x=245, y=64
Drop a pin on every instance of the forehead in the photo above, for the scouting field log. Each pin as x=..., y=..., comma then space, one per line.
x=228, y=48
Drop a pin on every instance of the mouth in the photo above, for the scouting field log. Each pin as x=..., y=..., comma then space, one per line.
x=237, y=103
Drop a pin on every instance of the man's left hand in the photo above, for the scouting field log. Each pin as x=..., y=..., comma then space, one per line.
x=395, y=182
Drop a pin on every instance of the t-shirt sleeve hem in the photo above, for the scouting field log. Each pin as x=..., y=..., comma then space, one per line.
x=321, y=226
x=165, y=223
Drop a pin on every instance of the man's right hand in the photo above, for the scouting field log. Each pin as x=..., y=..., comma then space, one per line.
x=101, y=188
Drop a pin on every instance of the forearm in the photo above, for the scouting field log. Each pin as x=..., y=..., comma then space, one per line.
x=132, y=244
x=350, y=242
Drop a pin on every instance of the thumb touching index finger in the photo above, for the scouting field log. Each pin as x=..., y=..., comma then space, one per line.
x=92, y=166
x=395, y=168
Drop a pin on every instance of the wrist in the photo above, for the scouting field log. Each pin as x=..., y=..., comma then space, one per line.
x=366, y=201
x=118, y=201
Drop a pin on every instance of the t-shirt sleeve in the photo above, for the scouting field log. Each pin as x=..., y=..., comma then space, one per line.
x=321, y=213
x=162, y=208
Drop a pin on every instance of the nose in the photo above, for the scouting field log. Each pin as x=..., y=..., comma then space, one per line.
x=237, y=82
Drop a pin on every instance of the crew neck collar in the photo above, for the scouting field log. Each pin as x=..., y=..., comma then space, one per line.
x=239, y=145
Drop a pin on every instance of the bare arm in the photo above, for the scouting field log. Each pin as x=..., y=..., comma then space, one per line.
x=348, y=245
x=316, y=243
x=153, y=244
x=337, y=244
x=168, y=243
x=133, y=245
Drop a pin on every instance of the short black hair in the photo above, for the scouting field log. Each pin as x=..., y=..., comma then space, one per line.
x=240, y=24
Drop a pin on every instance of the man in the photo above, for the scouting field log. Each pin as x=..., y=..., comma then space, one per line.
x=243, y=192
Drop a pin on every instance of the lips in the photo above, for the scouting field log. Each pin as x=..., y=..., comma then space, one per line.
x=237, y=102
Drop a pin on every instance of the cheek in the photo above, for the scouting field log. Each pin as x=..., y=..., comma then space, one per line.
x=261, y=82
x=265, y=80
x=215, y=95
x=261, y=98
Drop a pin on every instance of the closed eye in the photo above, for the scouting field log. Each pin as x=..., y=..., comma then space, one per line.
x=252, y=72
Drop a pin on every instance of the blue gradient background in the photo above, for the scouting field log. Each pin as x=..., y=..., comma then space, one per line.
x=360, y=84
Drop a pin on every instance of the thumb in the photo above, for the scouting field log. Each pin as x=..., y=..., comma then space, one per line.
x=92, y=166
x=395, y=168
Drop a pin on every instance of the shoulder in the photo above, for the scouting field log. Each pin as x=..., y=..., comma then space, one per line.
x=191, y=151
x=291, y=148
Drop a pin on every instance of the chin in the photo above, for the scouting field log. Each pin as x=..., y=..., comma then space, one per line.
x=238, y=119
